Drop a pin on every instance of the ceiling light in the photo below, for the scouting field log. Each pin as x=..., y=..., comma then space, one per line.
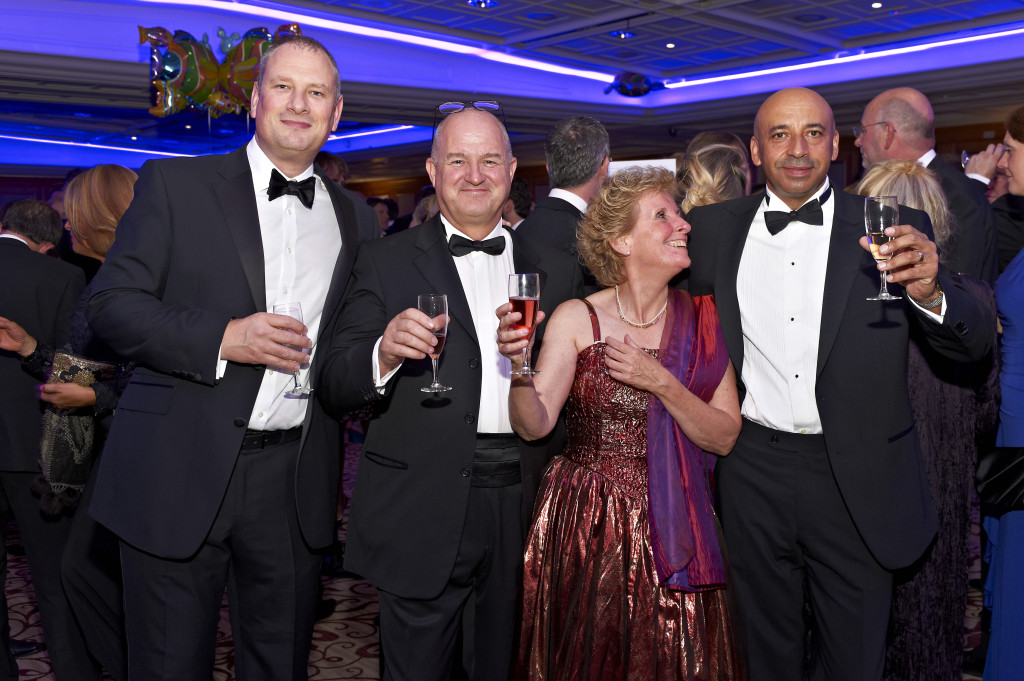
x=188, y=127
x=670, y=46
x=623, y=33
x=876, y=5
x=134, y=138
x=482, y=4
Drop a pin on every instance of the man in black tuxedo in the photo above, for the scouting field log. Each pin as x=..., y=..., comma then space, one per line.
x=824, y=493
x=577, y=154
x=39, y=294
x=212, y=475
x=899, y=124
x=443, y=485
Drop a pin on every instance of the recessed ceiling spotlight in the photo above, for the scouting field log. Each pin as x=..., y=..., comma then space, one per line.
x=622, y=34
x=670, y=46
x=134, y=138
x=482, y=4
x=876, y=5
x=188, y=127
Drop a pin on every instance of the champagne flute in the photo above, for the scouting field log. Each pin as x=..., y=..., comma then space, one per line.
x=294, y=310
x=965, y=158
x=881, y=212
x=435, y=306
x=524, y=294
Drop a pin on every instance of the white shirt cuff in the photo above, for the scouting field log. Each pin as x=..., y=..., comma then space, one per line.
x=222, y=365
x=935, y=317
x=979, y=177
x=380, y=382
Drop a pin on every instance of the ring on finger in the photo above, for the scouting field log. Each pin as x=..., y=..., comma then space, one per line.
x=920, y=256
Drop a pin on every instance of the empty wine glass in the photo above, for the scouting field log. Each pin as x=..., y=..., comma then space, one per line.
x=881, y=212
x=294, y=310
x=435, y=306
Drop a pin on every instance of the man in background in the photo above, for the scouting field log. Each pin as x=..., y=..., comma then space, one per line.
x=577, y=154
x=39, y=294
x=517, y=206
x=899, y=124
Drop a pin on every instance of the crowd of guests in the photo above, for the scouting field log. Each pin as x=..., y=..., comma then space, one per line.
x=730, y=461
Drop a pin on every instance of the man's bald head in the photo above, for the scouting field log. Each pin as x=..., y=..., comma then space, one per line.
x=908, y=131
x=794, y=142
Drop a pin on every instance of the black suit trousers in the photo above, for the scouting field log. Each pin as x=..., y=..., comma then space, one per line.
x=419, y=637
x=254, y=548
x=789, y=535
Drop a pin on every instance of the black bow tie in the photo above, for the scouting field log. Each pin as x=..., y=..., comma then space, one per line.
x=460, y=246
x=279, y=186
x=810, y=212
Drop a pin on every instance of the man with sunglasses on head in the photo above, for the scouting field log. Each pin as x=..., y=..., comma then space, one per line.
x=899, y=125
x=444, y=487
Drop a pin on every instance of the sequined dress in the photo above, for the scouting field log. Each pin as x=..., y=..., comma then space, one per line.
x=593, y=608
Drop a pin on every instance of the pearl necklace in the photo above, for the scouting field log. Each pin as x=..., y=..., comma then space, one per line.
x=644, y=325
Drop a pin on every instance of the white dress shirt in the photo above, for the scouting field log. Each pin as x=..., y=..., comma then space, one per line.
x=780, y=289
x=300, y=250
x=485, y=283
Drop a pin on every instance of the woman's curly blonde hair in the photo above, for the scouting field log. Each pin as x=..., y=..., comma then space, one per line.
x=613, y=213
x=712, y=174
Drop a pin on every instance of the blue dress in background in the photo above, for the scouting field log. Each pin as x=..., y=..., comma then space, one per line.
x=1005, y=585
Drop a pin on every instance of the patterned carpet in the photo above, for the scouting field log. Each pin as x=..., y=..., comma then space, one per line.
x=345, y=645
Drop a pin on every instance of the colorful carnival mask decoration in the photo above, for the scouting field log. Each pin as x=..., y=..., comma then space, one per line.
x=186, y=74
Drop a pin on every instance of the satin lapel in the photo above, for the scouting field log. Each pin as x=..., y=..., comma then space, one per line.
x=346, y=215
x=845, y=259
x=234, y=192
x=437, y=267
x=732, y=237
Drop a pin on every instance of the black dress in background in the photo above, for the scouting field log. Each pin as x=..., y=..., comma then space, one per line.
x=90, y=568
x=956, y=408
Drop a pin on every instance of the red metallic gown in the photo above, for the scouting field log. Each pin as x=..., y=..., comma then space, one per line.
x=593, y=607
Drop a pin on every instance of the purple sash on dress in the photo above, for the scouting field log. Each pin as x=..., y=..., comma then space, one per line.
x=683, y=535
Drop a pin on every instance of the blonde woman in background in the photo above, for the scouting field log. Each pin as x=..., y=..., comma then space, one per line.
x=955, y=406
x=713, y=173
x=90, y=568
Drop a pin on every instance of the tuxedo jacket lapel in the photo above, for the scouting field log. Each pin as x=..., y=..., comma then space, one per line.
x=346, y=216
x=235, y=195
x=732, y=238
x=436, y=265
x=845, y=260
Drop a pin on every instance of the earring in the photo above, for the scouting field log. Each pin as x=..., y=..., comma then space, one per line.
x=628, y=252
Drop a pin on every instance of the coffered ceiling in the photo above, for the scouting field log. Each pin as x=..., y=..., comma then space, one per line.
x=72, y=73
